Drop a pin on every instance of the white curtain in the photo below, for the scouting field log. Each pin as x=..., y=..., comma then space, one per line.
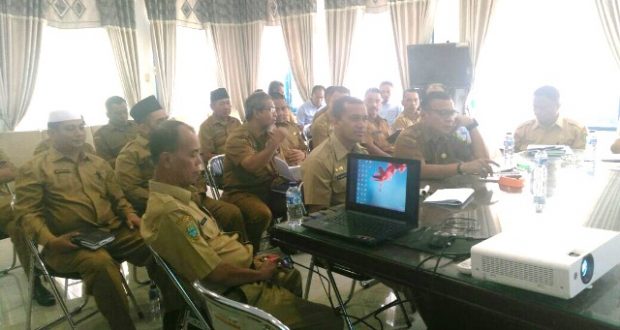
x=475, y=17
x=341, y=19
x=412, y=22
x=609, y=12
x=21, y=26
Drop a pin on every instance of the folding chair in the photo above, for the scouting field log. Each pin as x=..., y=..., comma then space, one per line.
x=37, y=263
x=193, y=315
x=215, y=175
x=227, y=314
x=5, y=236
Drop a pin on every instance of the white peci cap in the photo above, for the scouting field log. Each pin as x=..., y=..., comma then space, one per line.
x=57, y=116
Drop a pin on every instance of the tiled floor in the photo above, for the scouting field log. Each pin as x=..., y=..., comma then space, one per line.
x=14, y=292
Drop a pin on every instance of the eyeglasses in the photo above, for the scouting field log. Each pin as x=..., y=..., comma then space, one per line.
x=271, y=109
x=445, y=113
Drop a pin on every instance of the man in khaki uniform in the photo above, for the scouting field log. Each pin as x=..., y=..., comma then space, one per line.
x=249, y=170
x=215, y=130
x=378, y=128
x=111, y=138
x=64, y=190
x=325, y=171
x=9, y=226
x=134, y=169
x=294, y=147
x=446, y=144
x=411, y=112
x=190, y=241
x=322, y=124
x=549, y=127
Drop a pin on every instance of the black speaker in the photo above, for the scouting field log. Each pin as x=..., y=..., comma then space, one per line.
x=449, y=64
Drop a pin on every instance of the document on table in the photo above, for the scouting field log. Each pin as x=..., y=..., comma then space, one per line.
x=457, y=197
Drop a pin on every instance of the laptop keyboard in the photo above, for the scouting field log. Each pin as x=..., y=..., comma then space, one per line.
x=366, y=224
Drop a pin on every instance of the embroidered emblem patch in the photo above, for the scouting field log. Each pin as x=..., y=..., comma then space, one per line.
x=192, y=230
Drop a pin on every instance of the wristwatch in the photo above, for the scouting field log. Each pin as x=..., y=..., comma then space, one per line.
x=471, y=126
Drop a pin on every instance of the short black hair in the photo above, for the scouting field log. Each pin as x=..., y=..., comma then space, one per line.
x=165, y=138
x=112, y=101
x=254, y=103
x=333, y=89
x=426, y=100
x=274, y=86
x=317, y=88
x=341, y=104
x=372, y=90
x=549, y=92
x=412, y=90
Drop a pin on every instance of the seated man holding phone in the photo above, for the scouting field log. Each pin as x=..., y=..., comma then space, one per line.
x=63, y=191
x=191, y=242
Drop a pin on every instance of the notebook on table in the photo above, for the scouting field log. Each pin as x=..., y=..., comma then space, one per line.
x=382, y=200
x=93, y=238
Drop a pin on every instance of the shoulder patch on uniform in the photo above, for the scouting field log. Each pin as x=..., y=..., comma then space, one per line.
x=192, y=230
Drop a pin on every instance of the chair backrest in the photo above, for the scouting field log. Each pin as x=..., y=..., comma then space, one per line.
x=215, y=174
x=181, y=289
x=229, y=314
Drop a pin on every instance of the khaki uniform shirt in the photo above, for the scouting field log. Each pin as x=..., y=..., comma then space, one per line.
x=325, y=173
x=134, y=169
x=378, y=132
x=564, y=131
x=423, y=143
x=321, y=129
x=5, y=195
x=241, y=144
x=214, y=132
x=187, y=238
x=110, y=139
x=56, y=195
x=294, y=138
x=404, y=120
x=47, y=143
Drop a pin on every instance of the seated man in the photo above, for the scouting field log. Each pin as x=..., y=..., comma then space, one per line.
x=325, y=170
x=215, y=130
x=378, y=128
x=111, y=138
x=249, y=170
x=549, y=127
x=293, y=147
x=447, y=144
x=389, y=111
x=64, y=190
x=191, y=242
x=306, y=111
x=411, y=110
x=9, y=226
x=322, y=125
x=134, y=169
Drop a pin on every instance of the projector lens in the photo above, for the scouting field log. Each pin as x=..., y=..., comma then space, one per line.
x=587, y=269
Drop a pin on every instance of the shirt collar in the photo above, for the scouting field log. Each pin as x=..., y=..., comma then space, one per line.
x=142, y=140
x=56, y=155
x=340, y=150
x=558, y=122
x=177, y=192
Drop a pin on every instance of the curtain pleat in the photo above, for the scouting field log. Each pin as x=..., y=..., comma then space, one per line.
x=340, y=27
x=609, y=13
x=298, y=36
x=475, y=17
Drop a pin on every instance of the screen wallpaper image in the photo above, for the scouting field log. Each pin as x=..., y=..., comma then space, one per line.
x=381, y=184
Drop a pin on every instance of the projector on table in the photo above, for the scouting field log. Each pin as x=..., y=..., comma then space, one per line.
x=557, y=262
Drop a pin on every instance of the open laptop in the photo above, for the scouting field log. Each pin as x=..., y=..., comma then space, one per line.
x=382, y=200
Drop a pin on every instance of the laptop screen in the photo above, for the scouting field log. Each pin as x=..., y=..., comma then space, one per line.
x=383, y=186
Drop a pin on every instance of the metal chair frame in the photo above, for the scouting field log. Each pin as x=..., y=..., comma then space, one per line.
x=215, y=169
x=14, y=264
x=37, y=263
x=193, y=311
x=251, y=316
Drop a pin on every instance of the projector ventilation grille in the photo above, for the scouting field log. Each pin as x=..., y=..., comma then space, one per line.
x=517, y=270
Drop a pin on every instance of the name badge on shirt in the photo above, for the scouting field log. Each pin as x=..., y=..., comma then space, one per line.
x=341, y=176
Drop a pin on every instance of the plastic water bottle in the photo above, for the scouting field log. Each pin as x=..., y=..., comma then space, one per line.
x=154, y=303
x=591, y=146
x=539, y=180
x=509, y=148
x=294, y=206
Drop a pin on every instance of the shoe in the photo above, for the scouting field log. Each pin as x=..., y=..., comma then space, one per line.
x=41, y=295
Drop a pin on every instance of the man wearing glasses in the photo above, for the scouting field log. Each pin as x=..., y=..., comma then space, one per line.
x=445, y=142
x=249, y=171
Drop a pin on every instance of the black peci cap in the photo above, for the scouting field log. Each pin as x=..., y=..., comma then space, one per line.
x=143, y=108
x=219, y=94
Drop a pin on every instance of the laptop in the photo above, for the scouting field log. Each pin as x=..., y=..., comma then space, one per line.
x=381, y=203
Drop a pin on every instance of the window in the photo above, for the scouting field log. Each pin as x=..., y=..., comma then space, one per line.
x=531, y=43
x=195, y=77
x=76, y=72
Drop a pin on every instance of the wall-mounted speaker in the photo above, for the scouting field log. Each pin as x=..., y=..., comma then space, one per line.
x=449, y=64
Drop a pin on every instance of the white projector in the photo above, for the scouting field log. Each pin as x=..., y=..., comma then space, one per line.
x=556, y=262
